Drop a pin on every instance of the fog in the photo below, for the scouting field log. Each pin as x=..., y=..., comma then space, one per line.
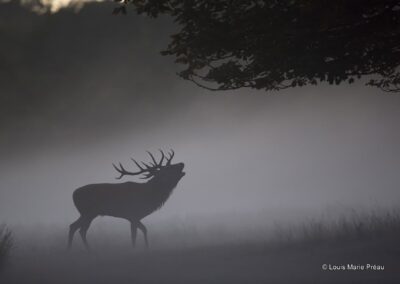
x=277, y=184
x=80, y=91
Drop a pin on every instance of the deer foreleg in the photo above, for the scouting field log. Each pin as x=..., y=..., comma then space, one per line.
x=144, y=231
x=72, y=229
x=134, y=226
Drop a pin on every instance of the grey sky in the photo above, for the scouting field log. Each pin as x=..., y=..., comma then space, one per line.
x=80, y=91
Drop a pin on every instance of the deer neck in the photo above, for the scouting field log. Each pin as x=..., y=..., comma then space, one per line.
x=166, y=185
x=162, y=187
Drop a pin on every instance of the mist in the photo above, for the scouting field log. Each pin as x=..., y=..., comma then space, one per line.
x=81, y=91
x=275, y=182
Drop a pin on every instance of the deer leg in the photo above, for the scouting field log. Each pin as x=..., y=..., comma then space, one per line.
x=134, y=226
x=144, y=231
x=83, y=230
x=72, y=229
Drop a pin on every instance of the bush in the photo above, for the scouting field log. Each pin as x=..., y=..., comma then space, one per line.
x=6, y=244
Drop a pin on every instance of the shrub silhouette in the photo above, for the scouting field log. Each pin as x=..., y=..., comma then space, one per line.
x=6, y=244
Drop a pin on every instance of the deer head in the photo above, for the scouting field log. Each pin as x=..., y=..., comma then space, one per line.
x=155, y=170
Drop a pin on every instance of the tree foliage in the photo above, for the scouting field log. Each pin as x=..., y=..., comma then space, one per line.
x=277, y=44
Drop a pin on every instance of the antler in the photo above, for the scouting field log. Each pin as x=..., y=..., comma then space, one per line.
x=171, y=155
x=148, y=170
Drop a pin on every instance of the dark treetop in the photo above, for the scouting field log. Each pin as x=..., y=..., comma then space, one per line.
x=278, y=44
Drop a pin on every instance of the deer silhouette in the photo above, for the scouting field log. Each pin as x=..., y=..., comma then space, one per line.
x=129, y=200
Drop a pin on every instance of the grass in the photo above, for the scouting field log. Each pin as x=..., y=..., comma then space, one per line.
x=291, y=253
x=353, y=227
x=6, y=244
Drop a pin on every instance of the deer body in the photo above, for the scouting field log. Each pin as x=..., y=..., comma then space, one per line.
x=129, y=200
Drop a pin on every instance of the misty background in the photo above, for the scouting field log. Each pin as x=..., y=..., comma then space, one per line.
x=80, y=91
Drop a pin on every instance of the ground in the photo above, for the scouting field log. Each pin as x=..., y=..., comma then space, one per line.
x=278, y=259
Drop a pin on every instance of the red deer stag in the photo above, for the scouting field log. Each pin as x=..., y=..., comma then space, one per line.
x=129, y=200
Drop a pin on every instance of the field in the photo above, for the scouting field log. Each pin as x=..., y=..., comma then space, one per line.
x=192, y=251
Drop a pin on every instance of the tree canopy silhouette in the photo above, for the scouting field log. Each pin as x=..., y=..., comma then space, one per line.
x=275, y=44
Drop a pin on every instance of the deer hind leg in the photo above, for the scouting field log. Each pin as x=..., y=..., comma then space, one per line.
x=85, y=224
x=72, y=229
x=144, y=231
